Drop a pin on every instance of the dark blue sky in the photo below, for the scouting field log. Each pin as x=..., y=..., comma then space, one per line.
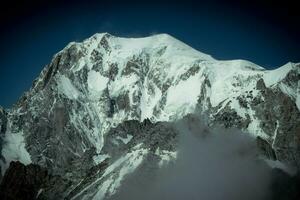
x=262, y=32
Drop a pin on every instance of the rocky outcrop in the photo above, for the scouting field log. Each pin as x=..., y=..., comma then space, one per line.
x=22, y=182
x=3, y=125
x=134, y=140
x=146, y=133
x=28, y=182
x=3, y=120
x=266, y=148
x=280, y=118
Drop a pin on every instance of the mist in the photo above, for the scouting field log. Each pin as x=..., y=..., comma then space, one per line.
x=213, y=163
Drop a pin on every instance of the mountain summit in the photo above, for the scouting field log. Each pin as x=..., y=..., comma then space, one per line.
x=102, y=106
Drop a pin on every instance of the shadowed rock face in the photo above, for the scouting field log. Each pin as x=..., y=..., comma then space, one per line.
x=3, y=120
x=143, y=135
x=147, y=133
x=266, y=148
x=3, y=124
x=281, y=119
x=22, y=182
x=127, y=140
x=30, y=182
x=98, y=100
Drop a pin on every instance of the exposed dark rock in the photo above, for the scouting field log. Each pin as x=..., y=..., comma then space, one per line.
x=229, y=118
x=257, y=100
x=51, y=70
x=131, y=67
x=41, y=144
x=3, y=121
x=146, y=133
x=3, y=124
x=280, y=116
x=292, y=77
x=96, y=56
x=122, y=102
x=30, y=182
x=260, y=85
x=266, y=148
x=162, y=50
x=22, y=182
x=112, y=107
x=113, y=71
x=284, y=186
x=104, y=42
x=190, y=72
x=203, y=102
x=243, y=102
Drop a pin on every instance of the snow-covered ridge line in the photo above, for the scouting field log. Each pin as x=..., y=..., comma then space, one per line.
x=140, y=42
x=153, y=39
x=92, y=87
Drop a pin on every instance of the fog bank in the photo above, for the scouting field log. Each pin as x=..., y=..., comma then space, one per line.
x=212, y=164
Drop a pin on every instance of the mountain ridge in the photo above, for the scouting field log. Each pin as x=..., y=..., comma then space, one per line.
x=93, y=87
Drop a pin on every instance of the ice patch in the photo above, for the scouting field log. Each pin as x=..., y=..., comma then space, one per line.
x=122, y=84
x=237, y=107
x=96, y=82
x=125, y=140
x=81, y=63
x=255, y=129
x=287, y=90
x=66, y=87
x=39, y=192
x=183, y=96
x=100, y=158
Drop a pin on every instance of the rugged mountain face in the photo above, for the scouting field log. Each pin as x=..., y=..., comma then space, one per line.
x=22, y=182
x=102, y=107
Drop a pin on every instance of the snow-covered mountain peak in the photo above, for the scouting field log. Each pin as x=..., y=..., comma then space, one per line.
x=126, y=45
x=154, y=72
x=106, y=83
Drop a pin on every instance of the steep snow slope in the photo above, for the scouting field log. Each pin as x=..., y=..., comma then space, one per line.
x=94, y=86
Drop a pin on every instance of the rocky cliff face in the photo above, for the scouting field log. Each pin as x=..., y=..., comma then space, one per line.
x=89, y=116
x=3, y=123
x=22, y=182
